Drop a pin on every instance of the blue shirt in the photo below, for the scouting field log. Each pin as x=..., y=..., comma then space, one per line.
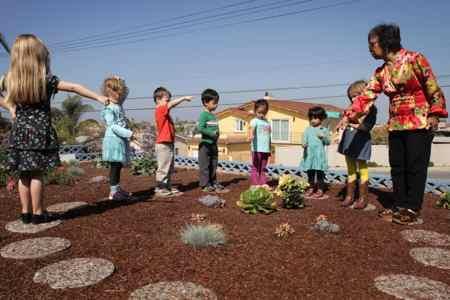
x=261, y=135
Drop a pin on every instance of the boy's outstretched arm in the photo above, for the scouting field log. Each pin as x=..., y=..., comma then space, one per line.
x=82, y=91
x=177, y=101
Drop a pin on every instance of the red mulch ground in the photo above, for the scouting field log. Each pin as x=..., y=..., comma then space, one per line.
x=142, y=240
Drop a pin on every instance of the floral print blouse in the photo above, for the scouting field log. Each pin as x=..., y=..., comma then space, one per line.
x=413, y=92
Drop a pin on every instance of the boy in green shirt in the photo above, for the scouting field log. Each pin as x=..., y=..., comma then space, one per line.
x=208, y=153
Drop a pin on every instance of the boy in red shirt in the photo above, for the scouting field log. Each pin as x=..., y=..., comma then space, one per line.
x=165, y=138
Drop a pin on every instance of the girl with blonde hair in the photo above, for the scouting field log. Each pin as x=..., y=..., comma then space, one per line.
x=33, y=143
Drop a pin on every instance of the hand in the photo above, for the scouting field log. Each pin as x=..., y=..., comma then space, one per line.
x=103, y=99
x=188, y=98
x=342, y=123
x=12, y=111
x=353, y=125
x=432, y=122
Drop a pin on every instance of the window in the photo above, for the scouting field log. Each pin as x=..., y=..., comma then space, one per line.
x=239, y=125
x=280, y=130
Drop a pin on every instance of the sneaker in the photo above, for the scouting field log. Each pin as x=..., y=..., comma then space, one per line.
x=44, y=217
x=120, y=196
x=220, y=188
x=164, y=193
x=123, y=192
x=405, y=216
x=175, y=191
x=208, y=189
x=26, y=218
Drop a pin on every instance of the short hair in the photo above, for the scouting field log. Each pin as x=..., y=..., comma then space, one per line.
x=317, y=112
x=209, y=95
x=115, y=84
x=356, y=86
x=261, y=102
x=161, y=92
x=388, y=37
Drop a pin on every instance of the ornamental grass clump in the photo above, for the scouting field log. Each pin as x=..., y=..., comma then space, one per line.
x=291, y=191
x=203, y=235
x=257, y=200
x=444, y=201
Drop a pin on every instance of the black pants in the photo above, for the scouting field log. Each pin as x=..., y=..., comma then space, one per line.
x=207, y=162
x=320, y=180
x=114, y=173
x=409, y=156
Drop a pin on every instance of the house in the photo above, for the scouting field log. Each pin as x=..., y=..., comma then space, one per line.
x=289, y=119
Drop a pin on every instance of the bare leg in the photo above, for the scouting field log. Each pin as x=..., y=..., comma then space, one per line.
x=25, y=194
x=37, y=188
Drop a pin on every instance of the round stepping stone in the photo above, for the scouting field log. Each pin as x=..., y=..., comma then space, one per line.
x=369, y=207
x=34, y=248
x=434, y=257
x=176, y=290
x=74, y=273
x=427, y=237
x=66, y=206
x=412, y=287
x=19, y=227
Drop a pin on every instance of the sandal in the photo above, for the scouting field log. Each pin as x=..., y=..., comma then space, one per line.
x=405, y=217
x=386, y=214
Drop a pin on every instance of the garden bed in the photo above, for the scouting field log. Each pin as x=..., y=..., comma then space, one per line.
x=142, y=240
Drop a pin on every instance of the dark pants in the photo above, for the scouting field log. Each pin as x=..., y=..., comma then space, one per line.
x=409, y=156
x=114, y=173
x=320, y=180
x=207, y=162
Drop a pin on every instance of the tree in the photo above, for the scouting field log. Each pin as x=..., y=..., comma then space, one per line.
x=66, y=119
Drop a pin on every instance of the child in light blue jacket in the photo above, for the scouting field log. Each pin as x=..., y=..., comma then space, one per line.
x=115, y=149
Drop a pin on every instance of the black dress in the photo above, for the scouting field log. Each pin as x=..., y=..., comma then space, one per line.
x=33, y=143
x=357, y=143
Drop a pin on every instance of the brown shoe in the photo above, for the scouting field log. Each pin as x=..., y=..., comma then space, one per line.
x=386, y=214
x=348, y=201
x=405, y=216
x=362, y=202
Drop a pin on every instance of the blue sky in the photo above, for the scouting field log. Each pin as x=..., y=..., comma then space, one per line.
x=325, y=46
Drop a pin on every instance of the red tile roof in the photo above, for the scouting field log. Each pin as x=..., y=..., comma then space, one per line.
x=296, y=106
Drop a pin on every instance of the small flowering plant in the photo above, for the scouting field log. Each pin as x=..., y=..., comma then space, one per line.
x=444, y=201
x=284, y=230
x=291, y=191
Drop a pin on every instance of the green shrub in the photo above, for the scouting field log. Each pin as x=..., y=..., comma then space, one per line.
x=4, y=174
x=444, y=201
x=64, y=175
x=145, y=166
x=58, y=176
x=257, y=200
x=74, y=171
x=291, y=190
x=203, y=235
x=99, y=163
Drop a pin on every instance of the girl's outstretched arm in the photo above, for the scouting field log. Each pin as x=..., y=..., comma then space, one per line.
x=82, y=91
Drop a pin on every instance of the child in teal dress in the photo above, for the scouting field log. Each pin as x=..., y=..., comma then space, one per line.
x=115, y=149
x=315, y=161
